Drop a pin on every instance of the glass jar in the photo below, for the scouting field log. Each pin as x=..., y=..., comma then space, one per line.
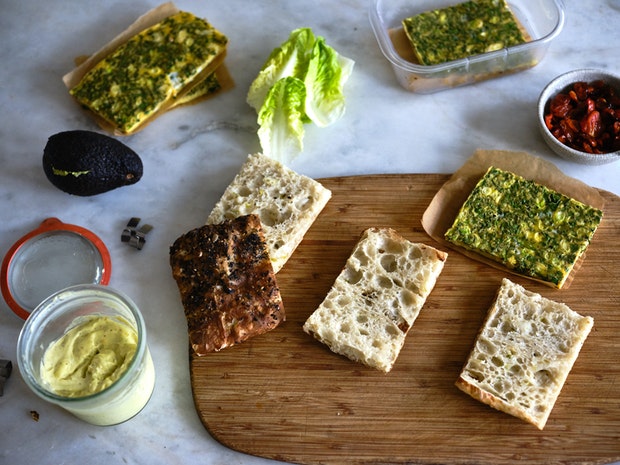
x=60, y=313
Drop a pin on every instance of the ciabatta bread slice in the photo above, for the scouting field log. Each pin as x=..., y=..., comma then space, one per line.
x=376, y=298
x=227, y=284
x=286, y=202
x=524, y=353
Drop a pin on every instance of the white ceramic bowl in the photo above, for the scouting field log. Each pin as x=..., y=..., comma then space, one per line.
x=558, y=85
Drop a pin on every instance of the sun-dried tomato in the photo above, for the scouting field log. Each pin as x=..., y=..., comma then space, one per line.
x=586, y=117
x=560, y=106
x=572, y=95
x=548, y=121
x=580, y=91
x=591, y=124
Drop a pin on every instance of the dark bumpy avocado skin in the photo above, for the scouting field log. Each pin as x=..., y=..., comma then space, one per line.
x=88, y=163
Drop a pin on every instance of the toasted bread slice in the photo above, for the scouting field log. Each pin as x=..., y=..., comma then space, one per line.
x=227, y=285
x=524, y=353
x=377, y=297
x=286, y=202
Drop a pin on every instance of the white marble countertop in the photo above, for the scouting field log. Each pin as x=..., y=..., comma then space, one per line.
x=191, y=154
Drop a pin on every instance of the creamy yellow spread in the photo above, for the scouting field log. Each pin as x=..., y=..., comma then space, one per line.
x=90, y=356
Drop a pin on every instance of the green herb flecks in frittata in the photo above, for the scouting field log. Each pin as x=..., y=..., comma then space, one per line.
x=463, y=30
x=135, y=80
x=526, y=226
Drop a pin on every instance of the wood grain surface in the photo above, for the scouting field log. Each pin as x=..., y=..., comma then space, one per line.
x=285, y=396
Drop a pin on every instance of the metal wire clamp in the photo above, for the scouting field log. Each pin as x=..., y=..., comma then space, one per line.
x=133, y=236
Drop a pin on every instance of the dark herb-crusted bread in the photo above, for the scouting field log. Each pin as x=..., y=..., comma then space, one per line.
x=227, y=284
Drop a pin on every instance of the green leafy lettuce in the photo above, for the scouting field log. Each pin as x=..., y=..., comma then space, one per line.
x=301, y=82
x=281, y=118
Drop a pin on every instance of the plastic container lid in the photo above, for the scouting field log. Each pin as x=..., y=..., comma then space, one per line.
x=52, y=257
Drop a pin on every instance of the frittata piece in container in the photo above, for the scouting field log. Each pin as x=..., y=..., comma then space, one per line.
x=529, y=228
x=462, y=30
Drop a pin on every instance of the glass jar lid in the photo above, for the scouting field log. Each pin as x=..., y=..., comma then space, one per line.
x=52, y=257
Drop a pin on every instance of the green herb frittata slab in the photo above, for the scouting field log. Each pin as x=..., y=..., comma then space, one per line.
x=527, y=227
x=462, y=30
x=147, y=72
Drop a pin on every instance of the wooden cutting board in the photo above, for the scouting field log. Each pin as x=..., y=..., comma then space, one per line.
x=285, y=396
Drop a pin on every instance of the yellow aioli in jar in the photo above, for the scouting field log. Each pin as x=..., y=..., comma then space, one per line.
x=90, y=356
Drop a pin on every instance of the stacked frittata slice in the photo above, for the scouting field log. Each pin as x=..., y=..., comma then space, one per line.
x=173, y=61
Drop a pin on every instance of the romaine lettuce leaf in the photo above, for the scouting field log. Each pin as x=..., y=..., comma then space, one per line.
x=281, y=119
x=325, y=79
x=301, y=82
x=289, y=59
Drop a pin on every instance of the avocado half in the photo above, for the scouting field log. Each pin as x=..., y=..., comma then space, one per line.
x=88, y=163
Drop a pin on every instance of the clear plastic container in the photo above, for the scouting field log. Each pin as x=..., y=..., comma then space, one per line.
x=543, y=20
x=51, y=320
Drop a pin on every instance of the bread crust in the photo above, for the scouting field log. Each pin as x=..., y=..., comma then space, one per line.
x=465, y=385
x=227, y=284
